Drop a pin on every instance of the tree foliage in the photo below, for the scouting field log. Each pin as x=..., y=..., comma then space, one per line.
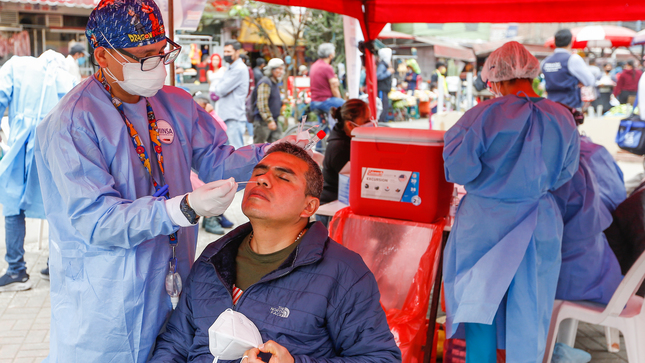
x=325, y=27
x=289, y=22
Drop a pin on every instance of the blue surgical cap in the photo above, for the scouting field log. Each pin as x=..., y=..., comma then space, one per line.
x=125, y=24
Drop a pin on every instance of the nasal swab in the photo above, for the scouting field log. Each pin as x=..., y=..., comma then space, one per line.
x=312, y=142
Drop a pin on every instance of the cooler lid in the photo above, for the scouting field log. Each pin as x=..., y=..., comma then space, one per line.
x=398, y=135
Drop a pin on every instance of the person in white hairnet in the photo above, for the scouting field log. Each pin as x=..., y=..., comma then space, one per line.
x=502, y=259
x=384, y=72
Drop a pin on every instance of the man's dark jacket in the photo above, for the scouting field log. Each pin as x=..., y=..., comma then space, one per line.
x=322, y=304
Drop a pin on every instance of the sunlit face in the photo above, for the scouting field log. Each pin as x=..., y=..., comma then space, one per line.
x=278, y=194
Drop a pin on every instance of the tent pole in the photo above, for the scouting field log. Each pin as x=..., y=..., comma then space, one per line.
x=171, y=35
x=370, y=68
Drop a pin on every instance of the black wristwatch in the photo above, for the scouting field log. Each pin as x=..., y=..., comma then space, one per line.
x=188, y=212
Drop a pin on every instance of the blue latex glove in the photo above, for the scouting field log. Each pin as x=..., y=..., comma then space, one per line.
x=565, y=354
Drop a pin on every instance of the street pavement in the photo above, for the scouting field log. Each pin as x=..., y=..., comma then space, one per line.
x=25, y=316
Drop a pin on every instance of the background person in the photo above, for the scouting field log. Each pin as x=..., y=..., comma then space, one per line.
x=258, y=71
x=312, y=299
x=325, y=92
x=75, y=59
x=232, y=91
x=214, y=74
x=411, y=76
x=627, y=84
x=353, y=113
x=112, y=226
x=30, y=87
x=502, y=258
x=268, y=104
x=384, y=73
x=565, y=72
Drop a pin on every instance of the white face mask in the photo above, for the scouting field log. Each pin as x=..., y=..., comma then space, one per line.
x=231, y=335
x=137, y=82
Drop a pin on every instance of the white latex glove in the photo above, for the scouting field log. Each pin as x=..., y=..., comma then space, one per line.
x=213, y=199
x=300, y=140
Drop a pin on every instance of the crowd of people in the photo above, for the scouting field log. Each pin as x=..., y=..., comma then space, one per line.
x=124, y=168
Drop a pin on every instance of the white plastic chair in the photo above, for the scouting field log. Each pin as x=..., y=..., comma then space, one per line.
x=624, y=312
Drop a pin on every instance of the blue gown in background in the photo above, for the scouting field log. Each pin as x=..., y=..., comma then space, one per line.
x=590, y=270
x=30, y=87
x=109, y=246
x=611, y=182
x=503, y=254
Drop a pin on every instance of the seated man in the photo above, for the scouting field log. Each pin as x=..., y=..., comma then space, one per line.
x=311, y=298
x=590, y=270
x=325, y=92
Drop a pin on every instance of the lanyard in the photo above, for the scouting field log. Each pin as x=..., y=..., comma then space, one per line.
x=138, y=143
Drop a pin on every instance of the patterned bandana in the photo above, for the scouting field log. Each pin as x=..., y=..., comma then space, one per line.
x=125, y=24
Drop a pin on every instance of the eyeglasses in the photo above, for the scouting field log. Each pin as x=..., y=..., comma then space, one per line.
x=151, y=62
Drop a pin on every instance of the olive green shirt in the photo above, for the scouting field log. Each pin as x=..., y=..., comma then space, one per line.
x=251, y=266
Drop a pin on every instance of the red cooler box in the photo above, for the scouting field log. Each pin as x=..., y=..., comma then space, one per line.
x=398, y=173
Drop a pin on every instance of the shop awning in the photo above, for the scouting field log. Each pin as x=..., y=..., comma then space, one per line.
x=394, y=35
x=88, y=4
x=249, y=33
x=443, y=49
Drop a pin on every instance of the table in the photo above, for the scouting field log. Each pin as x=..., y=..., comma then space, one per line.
x=394, y=250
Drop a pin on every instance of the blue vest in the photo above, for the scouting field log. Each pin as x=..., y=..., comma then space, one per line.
x=561, y=85
x=275, y=103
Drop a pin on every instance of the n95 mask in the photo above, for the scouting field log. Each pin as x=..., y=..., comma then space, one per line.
x=231, y=335
x=138, y=82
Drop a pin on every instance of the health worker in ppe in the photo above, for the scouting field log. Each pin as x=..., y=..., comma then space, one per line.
x=502, y=258
x=590, y=269
x=114, y=159
x=30, y=87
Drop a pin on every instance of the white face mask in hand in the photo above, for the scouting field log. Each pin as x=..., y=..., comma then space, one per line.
x=231, y=335
x=137, y=82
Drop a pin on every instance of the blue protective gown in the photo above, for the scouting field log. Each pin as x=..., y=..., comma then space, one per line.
x=30, y=87
x=505, y=244
x=590, y=270
x=109, y=246
x=611, y=183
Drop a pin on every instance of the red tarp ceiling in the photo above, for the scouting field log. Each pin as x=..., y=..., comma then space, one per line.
x=379, y=12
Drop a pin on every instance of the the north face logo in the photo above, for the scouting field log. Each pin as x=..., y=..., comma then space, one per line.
x=280, y=311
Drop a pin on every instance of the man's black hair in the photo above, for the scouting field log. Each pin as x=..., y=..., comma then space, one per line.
x=234, y=43
x=563, y=38
x=313, y=176
x=260, y=62
x=440, y=64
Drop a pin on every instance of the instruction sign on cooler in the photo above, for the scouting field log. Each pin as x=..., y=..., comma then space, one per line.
x=398, y=173
x=391, y=185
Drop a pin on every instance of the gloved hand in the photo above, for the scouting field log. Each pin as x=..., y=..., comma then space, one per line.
x=212, y=199
x=300, y=140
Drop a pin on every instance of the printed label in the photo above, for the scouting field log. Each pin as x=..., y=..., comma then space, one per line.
x=392, y=185
x=166, y=133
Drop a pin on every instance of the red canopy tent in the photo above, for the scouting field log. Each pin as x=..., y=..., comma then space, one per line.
x=374, y=14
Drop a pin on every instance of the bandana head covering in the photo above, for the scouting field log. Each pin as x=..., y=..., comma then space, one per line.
x=125, y=24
